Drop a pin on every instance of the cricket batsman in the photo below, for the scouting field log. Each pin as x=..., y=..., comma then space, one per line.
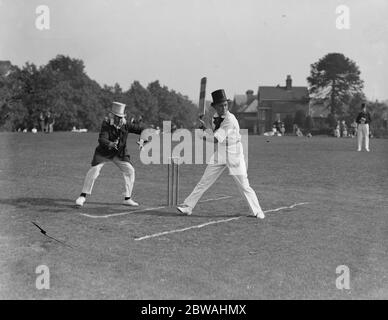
x=112, y=148
x=226, y=134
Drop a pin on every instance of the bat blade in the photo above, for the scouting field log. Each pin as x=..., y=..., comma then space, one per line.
x=202, y=96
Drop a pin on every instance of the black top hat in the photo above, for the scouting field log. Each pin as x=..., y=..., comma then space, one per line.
x=219, y=97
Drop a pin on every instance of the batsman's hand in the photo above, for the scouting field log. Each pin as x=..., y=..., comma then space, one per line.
x=202, y=123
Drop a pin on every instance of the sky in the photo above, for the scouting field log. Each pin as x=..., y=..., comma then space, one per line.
x=237, y=44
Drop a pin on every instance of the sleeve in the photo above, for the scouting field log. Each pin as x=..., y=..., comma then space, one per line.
x=222, y=132
x=134, y=128
x=103, y=138
x=358, y=118
x=369, y=118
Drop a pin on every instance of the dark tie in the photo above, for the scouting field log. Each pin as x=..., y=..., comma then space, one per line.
x=217, y=122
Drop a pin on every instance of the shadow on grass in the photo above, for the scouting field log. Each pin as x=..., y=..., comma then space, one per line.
x=55, y=205
x=49, y=204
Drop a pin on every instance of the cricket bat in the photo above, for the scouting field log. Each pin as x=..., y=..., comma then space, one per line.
x=202, y=96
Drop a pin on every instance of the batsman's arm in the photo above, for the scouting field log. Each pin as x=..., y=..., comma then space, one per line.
x=134, y=128
x=208, y=136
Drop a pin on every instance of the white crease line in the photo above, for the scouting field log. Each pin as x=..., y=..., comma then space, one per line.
x=212, y=222
x=290, y=207
x=142, y=210
x=185, y=229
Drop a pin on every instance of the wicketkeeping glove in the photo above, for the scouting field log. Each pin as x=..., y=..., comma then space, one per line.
x=141, y=143
x=113, y=145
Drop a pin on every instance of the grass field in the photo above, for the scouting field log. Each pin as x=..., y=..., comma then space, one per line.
x=292, y=254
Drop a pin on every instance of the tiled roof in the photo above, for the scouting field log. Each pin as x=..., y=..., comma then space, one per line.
x=252, y=107
x=280, y=93
x=240, y=99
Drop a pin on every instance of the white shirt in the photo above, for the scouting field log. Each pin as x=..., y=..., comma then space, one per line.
x=229, y=146
x=228, y=134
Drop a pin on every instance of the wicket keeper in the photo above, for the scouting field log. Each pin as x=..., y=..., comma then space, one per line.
x=112, y=148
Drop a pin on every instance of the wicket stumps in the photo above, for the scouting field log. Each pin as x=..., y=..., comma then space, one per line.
x=173, y=182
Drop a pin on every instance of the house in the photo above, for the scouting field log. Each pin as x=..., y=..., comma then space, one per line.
x=244, y=107
x=258, y=113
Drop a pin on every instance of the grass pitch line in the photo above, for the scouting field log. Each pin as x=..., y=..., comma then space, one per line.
x=289, y=207
x=144, y=210
x=185, y=229
x=213, y=222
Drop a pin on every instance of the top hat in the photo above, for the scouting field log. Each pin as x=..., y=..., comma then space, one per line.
x=218, y=97
x=118, y=109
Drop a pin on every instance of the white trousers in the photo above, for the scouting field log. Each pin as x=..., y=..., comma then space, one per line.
x=363, y=131
x=211, y=174
x=125, y=167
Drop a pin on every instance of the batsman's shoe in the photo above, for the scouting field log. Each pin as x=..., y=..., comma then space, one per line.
x=260, y=215
x=80, y=201
x=130, y=202
x=185, y=210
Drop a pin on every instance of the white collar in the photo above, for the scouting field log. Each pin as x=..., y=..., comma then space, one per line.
x=223, y=116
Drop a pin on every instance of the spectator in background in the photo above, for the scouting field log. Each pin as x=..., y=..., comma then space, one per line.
x=337, y=131
x=294, y=127
x=298, y=132
x=277, y=124
x=353, y=129
x=344, y=129
x=363, y=120
x=49, y=122
x=42, y=122
x=282, y=129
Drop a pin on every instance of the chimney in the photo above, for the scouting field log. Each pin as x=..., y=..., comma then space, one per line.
x=250, y=96
x=288, y=82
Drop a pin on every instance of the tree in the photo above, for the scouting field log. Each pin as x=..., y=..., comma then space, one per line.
x=334, y=78
x=379, y=114
x=140, y=102
x=10, y=92
x=173, y=106
x=309, y=123
x=300, y=118
x=63, y=88
x=331, y=121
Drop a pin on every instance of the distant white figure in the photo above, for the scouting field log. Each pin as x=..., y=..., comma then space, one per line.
x=363, y=120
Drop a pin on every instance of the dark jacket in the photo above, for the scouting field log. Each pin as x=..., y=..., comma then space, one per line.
x=365, y=115
x=109, y=133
